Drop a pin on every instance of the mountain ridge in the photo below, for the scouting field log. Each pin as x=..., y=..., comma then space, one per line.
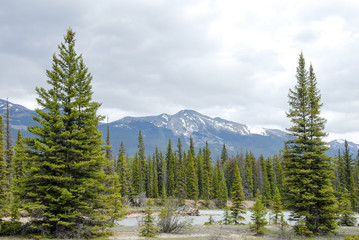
x=157, y=130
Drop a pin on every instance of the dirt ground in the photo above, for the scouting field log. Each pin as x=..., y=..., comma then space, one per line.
x=230, y=232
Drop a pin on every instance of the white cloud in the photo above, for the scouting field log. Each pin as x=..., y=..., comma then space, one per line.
x=231, y=59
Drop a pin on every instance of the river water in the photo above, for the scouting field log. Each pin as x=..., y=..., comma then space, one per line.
x=217, y=215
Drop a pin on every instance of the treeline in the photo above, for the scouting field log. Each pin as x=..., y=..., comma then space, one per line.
x=191, y=174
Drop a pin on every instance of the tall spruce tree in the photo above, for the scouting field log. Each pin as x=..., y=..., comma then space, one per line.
x=123, y=172
x=18, y=176
x=192, y=185
x=3, y=172
x=237, y=196
x=348, y=174
x=308, y=170
x=66, y=181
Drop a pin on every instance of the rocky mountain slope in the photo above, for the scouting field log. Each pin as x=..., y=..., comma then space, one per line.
x=157, y=130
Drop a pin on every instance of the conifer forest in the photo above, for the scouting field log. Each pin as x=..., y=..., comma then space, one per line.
x=68, y=183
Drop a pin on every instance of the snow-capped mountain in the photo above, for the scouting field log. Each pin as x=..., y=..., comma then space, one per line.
x=21, y=117
x=157, y=130
x=215, y=131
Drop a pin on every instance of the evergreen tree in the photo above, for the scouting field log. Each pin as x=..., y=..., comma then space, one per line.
x=123, y=172
x=192, y=187
x=207, y=174
x=117, y=208
x=224, y=155
x=277, y=206
x=347, y=217
x=308, y=170
x=171, y=170
x=181, y=191
x=237, y=198
x=249, y=174
x=109, y=151
x=18, y=176
x=258, y=216
x=148, y=224
x=135, y=176
x=199, y=171
x=9, y=153
x=3, y=172
x=341, y=178
x=154, y=178
x=222, y=195
x=141, y=163
x=66, y=182
x=349, y=183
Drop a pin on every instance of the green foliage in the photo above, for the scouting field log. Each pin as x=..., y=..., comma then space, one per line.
x=18, y=177
x=277, y=206
x=207, y=174
x=192, y=186
x=123, y=172
x=10, y=228
x=3, y=172
x=354, y=237
x=237, y=198
x=259, y=212
x=227, y=219
x=148, y=224
x=116, y=208
x=347, y=217
x=219, y=186
x=66, y=183
x=308, y=170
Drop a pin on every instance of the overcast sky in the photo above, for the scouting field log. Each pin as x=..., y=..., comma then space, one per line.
x=230, y=59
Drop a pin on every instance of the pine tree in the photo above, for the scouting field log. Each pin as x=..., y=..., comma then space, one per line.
x=135, y=176
x=237, y=198
x=224, y=155
x=181, y=189
x=109, y=151
x=3, y=172
x=66, y=181
x=148, y=224
x=123, y=172
x=9, y=153
x=249, y=174
x=349, y=183
x=171, y=170
x=258, y=216
x=222, y=193
x=117, y=208
x=277, y=206
x=347, y=217
x=199, y=171
x=154, y=178
x=18, y=176
x=141, y=163
x=192, y=187
x=341, y=178
x=308, y=170
x=207, y=174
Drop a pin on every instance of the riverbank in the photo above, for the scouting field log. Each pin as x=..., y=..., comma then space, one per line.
x=226, y=232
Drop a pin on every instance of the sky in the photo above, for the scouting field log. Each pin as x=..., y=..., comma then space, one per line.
x=231, y=59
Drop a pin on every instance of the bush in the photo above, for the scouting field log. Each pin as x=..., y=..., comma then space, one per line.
x=170, y=220
x=354, y=237
x=10, y=228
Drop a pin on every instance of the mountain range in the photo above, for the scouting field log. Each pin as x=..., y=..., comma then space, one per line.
x=157, y=130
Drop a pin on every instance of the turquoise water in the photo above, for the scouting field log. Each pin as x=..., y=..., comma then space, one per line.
x=204, y=217
x=217, y=215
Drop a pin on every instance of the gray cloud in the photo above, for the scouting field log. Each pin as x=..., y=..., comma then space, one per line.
x=149, y=57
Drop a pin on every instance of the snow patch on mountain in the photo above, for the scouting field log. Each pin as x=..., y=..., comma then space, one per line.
x=257, y=130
